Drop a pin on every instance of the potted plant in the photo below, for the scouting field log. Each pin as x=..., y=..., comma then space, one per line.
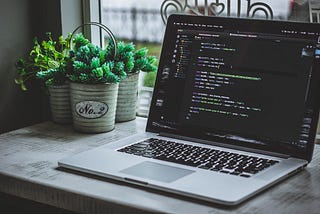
x=48, y=62
x=138, y=60
x=94, y=86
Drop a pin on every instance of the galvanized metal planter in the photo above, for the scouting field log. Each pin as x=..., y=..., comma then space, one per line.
x=127, y=98
x=59, y=97
x=93, y=106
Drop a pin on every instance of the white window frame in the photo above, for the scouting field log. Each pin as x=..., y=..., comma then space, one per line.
x=92, y=12
x=74, y=13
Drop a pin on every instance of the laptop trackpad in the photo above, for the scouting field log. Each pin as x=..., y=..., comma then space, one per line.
x=156, y=171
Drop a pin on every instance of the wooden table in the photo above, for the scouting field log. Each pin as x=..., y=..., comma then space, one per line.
x=29, y=170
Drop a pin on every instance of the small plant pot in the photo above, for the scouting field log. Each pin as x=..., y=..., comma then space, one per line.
x=127, y=98
x=93, y=106
x=59, y=97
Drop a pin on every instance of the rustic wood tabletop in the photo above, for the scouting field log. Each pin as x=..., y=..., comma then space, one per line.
x=28, y=169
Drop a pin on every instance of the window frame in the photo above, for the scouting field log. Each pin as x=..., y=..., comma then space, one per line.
x=74, y=13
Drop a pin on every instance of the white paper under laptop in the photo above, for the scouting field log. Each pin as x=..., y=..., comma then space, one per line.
x=234, y=110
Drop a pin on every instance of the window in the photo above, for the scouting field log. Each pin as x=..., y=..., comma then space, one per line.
x=143, y=21
x=139, y=22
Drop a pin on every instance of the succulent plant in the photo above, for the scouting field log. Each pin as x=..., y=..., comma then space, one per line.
x=92, y=65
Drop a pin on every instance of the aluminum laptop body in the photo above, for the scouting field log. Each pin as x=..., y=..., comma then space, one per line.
x=242, y=86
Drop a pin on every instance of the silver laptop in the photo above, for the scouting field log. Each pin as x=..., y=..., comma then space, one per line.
x=234, y=110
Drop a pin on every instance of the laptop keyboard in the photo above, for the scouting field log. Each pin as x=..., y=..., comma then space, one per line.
x=200, y=157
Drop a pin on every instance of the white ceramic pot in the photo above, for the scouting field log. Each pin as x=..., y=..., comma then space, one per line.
x=127, y=98
x=59, y=97
x=93, y=106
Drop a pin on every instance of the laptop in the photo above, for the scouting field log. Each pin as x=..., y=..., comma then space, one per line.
x=234, y=110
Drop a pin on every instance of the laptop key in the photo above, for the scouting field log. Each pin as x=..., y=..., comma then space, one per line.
x=229, y=167
x=245, y=175
x=204, y=167
x=215, y=169
x=148, y=155
x=235, y=173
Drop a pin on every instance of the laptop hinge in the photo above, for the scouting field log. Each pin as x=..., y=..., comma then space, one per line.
x=213, y=143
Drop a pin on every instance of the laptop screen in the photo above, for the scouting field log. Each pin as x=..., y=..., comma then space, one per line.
x=242, y=82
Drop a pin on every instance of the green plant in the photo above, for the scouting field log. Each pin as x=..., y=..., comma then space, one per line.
x=125, y=56
x=134, y=60
x=91, y=64
x=153, y=49
x=143, y=62
x=47, y=61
